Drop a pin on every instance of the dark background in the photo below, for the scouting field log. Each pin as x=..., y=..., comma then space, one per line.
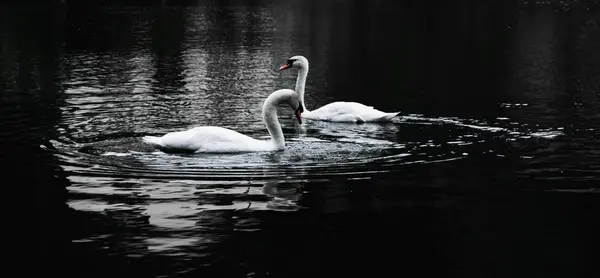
x=479, y=217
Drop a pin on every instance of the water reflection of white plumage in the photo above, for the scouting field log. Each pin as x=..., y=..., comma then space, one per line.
x=183, y=205
x=284, y=196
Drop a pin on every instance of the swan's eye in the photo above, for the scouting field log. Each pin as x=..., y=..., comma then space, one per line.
x=291, y=62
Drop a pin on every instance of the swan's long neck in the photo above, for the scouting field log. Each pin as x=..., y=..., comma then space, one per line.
x=269, y=114
x=301, y=83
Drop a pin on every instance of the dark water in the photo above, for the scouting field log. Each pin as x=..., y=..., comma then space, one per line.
x=493, y=169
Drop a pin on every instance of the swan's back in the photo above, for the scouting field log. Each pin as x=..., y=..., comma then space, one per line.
x=207, y=139
x=342, y=111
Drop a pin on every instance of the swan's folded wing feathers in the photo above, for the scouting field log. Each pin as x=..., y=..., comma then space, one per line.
x=203, y=138
x=346, y=117
x=342, y=111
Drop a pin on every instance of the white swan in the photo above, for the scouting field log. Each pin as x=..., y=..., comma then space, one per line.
x=214, y=139
x=340, y=111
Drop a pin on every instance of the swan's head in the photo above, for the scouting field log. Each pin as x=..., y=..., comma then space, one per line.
x=298, y=113
x=295, y=62
x=296, y=105
x=287, y=97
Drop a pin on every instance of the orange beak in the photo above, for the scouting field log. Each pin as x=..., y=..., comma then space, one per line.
x=299, y=111
x=299, y=116
x=285, y=66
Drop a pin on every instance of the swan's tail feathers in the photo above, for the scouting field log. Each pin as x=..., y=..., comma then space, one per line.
x=390, y=116
x=153, y=140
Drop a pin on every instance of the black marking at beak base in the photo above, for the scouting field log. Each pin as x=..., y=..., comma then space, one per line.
x=288, y=64
x=298, y=112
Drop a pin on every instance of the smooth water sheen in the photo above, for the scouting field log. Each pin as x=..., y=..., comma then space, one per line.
x=476, y=178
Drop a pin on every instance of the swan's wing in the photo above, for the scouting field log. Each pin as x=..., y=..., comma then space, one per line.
x=205, y=138
x=338, y=108
x=342, y=111
x=345, y=118
x=343, y=107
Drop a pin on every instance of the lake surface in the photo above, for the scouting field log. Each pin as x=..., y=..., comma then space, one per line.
x=492, y=169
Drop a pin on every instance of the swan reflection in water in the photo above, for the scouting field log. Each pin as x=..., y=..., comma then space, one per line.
x=367, y=134
x=283, y=196
x=182, y=214
x=271, y=196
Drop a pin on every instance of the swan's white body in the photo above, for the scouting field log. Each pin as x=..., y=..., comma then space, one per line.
x=210, y=139
x=214, y=139
x=340, y=111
